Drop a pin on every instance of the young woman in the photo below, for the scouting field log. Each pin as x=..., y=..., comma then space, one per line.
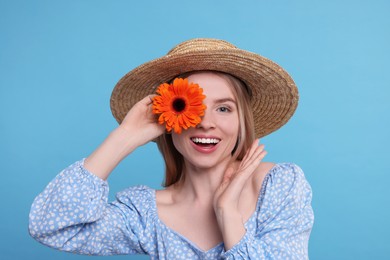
x=220, y=201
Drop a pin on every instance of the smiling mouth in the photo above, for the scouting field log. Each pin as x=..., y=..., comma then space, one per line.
x=205, y=142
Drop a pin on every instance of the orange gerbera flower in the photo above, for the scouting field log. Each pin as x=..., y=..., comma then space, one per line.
x=180, y=104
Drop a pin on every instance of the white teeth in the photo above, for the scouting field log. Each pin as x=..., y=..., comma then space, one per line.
x=205, y=140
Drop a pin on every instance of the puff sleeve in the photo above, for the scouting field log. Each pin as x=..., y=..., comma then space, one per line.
x=284, y=218
x=72, y=214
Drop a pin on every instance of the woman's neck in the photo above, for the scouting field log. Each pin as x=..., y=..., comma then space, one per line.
x=199, y=184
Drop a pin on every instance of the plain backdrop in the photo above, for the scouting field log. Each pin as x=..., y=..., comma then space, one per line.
x=59, y=61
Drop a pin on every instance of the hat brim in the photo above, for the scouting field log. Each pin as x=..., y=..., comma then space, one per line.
x=274, y=93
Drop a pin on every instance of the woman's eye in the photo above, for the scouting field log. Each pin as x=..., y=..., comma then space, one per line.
x=223, y=109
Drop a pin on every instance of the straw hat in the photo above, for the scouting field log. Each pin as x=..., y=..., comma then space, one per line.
x=274, y=93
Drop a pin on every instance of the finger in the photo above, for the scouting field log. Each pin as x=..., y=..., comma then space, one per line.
x=147, y=100
x=255, y=159
x=151, y=96
x=228, y=174
x=256, y=156
x=250, y=166
x=249, y=163
x=252, y=154
x=251, y=149
x=261, y=155
x=226, y=180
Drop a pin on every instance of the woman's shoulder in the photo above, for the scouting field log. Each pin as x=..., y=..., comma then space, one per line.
x=276, y=170
x=259, y=175
x=278, y=176
x=285, y=183
x=286, y=172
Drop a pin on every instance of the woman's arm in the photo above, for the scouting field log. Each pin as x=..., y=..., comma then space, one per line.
x=284, y=219
x=227, y=196
x=72, y=214
x=138, y=128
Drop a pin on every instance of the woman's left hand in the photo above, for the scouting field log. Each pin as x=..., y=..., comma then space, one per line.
x=227, y=196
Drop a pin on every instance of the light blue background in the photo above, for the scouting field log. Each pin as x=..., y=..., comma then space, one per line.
x=59, y=61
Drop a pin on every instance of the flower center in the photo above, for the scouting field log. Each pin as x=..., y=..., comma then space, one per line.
x=179, y=104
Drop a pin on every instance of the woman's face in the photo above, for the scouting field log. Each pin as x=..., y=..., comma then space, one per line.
x=214, y=139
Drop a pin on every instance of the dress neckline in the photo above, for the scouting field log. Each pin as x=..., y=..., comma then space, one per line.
x=191, y=243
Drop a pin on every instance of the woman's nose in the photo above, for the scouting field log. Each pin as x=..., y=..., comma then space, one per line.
x=207, y=120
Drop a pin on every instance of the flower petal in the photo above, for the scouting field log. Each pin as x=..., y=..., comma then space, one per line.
x=190, y=115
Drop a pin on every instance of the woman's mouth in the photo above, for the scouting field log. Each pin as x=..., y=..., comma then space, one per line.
x=205, y=143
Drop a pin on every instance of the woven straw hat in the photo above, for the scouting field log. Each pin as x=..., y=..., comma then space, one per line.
x=274, y=95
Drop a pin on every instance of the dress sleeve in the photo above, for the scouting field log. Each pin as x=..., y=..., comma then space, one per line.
x=284, y=218
x=72, y=214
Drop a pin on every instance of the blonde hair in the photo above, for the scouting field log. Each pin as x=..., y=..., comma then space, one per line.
x=174, y=161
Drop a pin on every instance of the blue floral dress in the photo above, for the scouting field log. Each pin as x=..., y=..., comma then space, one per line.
x=72, y=214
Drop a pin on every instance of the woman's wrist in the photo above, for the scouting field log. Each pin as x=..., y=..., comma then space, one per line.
x=232, y=227
x=108, y=155
x=127, y=139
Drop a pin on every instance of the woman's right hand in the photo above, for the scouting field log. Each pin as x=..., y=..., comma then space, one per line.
x=141, y=123
x=139, y=127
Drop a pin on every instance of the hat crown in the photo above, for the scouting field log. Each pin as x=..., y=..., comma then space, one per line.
x=201, y=44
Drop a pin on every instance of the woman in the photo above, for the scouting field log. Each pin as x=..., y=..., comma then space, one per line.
x=220, y=201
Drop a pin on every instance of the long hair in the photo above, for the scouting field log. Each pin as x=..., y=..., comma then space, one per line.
x=174, y=161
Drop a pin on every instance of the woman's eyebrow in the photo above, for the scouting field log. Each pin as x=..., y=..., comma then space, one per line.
x=223, y=100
